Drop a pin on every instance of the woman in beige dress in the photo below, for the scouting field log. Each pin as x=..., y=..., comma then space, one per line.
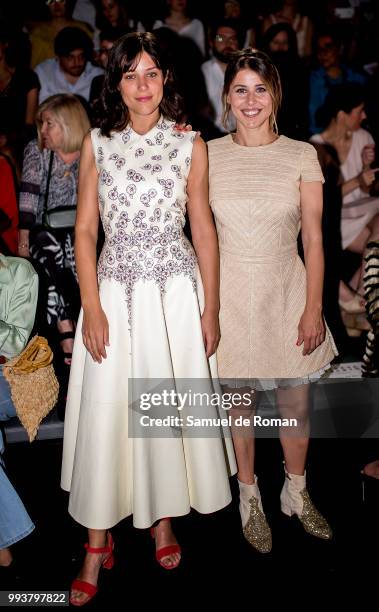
x=262, y=187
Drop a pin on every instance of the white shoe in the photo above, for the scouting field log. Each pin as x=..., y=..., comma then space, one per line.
x=254, y=524
x=294, y=499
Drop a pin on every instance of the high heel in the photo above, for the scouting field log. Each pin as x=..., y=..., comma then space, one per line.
x=254, y=524
x=86, y=587
x=294, y=499
x=166, y=551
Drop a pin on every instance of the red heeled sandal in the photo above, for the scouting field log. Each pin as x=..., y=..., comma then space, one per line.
x=86, y=587
x=166, y=551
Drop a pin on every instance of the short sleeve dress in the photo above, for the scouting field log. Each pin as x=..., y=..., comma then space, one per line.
x=255, y=198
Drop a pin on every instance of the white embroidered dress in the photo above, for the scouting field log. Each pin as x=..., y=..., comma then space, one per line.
x=151, y=292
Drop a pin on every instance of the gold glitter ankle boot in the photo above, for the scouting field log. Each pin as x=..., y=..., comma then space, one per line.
x=294, y=499
x=254, y=524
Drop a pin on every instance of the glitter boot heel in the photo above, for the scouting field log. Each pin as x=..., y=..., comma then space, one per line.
x=254, y=524
x=294, y=499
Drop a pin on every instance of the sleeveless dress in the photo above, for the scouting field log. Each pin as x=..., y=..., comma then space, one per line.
x=151, y=292
x=255, y=198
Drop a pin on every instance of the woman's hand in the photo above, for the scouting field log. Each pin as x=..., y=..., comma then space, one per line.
x=23, y=250
x=367, y=178
x=95, y=331
x=311, y=331
x=184, y=127
x=23, y=243
x=211, y=332
x=368, y=155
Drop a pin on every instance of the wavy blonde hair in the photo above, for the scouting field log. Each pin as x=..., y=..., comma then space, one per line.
x=71, y=116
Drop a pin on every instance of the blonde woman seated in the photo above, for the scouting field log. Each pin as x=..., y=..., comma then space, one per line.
x=62, y=124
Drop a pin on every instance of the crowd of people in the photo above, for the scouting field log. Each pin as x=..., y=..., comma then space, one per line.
x=251, y=131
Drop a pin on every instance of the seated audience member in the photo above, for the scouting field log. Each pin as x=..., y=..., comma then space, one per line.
x=288, y=12
x=19, y=88
x=343, y=114
x=43, y=33
x=178, y=18
x=8, y=209
x=62, y=124
x=107, y=38
x=223, y=40
x=233, y=10
x=85, y=10
x=280, y=44
x=331, y=72
x=18, y=300
x=115, y=14
x=71, y=70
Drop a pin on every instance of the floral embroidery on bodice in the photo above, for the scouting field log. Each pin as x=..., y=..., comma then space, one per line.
x=142, y=200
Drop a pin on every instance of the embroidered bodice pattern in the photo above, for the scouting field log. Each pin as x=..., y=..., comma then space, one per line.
x=142, y=201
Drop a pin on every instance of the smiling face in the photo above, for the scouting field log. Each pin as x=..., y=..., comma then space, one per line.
x=142, y=87
x=249, y=99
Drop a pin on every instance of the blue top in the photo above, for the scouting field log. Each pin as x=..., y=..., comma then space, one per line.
x=319, y=86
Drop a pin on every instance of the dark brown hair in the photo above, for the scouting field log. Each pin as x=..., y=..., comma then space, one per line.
x=124, y=56
x=258, y=62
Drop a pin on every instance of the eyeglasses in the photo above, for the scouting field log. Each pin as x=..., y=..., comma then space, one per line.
x=48, y=2
x=222, y=38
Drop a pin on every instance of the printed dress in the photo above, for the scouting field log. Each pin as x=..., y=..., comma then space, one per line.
x=151, y=292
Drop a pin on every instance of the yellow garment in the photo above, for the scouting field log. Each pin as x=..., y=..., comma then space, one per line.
x=18, y=302
x=42, y=39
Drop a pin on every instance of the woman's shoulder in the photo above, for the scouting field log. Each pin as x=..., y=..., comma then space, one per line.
x=296, y=146
x=32, y=150
x=363, y=137
x=19, y=268
x=217, y=144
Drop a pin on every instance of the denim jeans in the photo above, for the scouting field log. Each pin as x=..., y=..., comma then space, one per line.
x=15, y=522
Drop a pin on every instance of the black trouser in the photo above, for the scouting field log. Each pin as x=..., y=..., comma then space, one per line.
x=54, y=251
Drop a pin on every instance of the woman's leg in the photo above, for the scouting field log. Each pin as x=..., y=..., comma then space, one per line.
x=371, y=232
x=294, y=498
x=164, y=536
x=66, y=330
x=97, y=538
x=243, y=437
x=50, y=250
x=15, y=523
x=254, y=524
x=293, y=404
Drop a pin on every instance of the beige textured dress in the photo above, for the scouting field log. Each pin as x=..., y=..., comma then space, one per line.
x=255, y=198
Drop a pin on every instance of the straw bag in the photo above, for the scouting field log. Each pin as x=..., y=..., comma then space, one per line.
x=34, y=386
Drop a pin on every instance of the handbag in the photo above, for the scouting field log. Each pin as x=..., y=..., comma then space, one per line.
x=61, y=217
x=33, y=383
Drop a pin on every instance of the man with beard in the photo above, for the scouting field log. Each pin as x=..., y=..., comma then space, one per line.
x=71, y=71
x=224, y=40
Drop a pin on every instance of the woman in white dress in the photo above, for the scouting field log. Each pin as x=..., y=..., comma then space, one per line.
x=144, y=316
x=343, y=115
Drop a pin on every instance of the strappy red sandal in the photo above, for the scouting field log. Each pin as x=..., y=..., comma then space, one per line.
x=86, y=587
x=165, y=551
